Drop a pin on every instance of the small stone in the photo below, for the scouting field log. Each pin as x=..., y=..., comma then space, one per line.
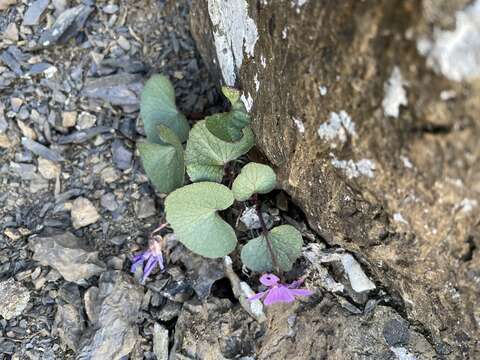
x=124, y=43
x=69, y=325
x=48, y=169
x=122, y=157
x=69, y=119
x=92, y=303
x=34, y=12
x=170, y=310
x=83, y=213
x=11, y=32
x=26, y=130
x=109, y=175
x=25, y=171
x=5, y=142
x=60, y=5
x=16, y=103
x=109, y=202
x=12, y=234
x=110, y=9
x=14, y=298
x=85, y=121
x=4, y=4
x=145, y=208
x=160, y=342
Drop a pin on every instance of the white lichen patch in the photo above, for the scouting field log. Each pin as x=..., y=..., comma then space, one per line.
x=467, y=205
x=353, y=169
x=397, y=217
x=285, y=32
x=235, y=33
x=395, y=94
x=247, y=101
x=263, y=61
x=299, y=124
x=456, y=53
x=297, y=4
x=257, y=83
x=337, y=127
x=323, y=90
x=402, y=353
x=406, y=162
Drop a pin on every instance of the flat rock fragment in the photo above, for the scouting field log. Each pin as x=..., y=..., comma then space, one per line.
x=14, y=298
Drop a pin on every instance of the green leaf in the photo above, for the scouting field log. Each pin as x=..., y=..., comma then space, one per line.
x=157, y=107
x=164, y=164
x=192, y=213
x=206, y=154
x=228, y=126
x=254, y=178
x=286, y=245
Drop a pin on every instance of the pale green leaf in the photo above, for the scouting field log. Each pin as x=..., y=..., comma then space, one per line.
x=157, y=107
x=164, y=164
x=192, y=213
x=254, y=178
x=206, y=154
x=286, y=244
x=228, y=126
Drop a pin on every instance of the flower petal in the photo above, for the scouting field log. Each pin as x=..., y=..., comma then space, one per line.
x=257, y=296
x=159, y=259
x=301, y=292
x=269, y=279
x=136, y=263
x=152, y=261
x=279, y=294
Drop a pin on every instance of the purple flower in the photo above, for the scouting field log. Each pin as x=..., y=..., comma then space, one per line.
x=153, y=256
x=279, y=293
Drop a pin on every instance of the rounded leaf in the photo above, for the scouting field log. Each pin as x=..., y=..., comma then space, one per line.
x=286, y=244
x=254, y=178
x=157, y=107
x=192, y=213
x=206, y=154
x=164, y=164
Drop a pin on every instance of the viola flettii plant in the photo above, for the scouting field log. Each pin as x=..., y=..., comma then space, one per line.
x=172, y=149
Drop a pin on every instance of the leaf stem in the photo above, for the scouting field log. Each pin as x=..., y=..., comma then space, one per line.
x=258, y=208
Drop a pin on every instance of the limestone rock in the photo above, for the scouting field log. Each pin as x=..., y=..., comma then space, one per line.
x=345, y=102
x=14, y=298
x=83, y=213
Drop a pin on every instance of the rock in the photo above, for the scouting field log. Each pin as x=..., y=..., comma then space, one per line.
x=358, y=280
x=41, y=150
x=14, y=298
x=85, y=121
x=160, y=342
x=34, y=12
x=26, y=130
x=11, y=32
x=5, y=142
x=341, y=143
x=69, y=325
x=119, y=89
x=92, y=304
x=145, y=207
x=110, y=9
x=83, y=213
x=69, y=119
x=66, y=26
x=109, y=202
x=124, y=43
x=68, y=255
x=109, y=175
x=115, y=333
x=252, y=221
x=25, y=171
x=4, y=4
x=170, y=311
x=122, y=157
x=48, y=169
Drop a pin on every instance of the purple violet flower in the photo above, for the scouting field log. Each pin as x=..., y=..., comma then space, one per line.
x=153, y=256
x=279, y=293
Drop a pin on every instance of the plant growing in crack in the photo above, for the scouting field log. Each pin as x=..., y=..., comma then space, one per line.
x=193, y=210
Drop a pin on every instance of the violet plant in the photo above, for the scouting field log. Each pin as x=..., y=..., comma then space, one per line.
x=192, y=210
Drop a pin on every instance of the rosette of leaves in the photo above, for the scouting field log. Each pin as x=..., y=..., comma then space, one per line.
x=254, y=178
x=192, y=213
x=279, y=247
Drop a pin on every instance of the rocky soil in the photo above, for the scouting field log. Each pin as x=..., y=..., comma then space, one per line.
x=75, y=206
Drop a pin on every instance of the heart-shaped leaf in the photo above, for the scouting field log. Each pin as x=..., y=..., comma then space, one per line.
x=157, y=107
x=228, y=126
x=286, y=244
x=164, y=164
x=206, y=154
x=254, y=178
x=192, y=213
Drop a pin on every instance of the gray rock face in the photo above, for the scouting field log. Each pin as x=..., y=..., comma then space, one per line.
x=160, y=342
x=34, y=12
x=367, y=157
x=115, y=333
x=120, y=89
x=68, y=255
x=14, y=298
x=69, y=325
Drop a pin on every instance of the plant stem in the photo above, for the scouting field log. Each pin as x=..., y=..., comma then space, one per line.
x=258, y=208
